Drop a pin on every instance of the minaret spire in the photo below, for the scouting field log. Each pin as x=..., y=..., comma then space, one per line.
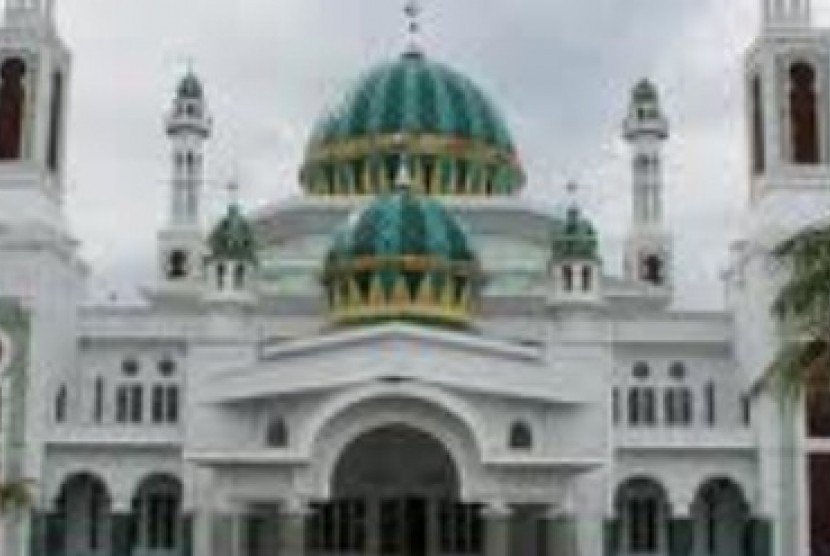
x=413, y=10
x=648, y=246
x=188, y=126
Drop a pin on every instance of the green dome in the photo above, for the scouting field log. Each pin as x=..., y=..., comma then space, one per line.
x=575, y=237
x=190, y=87
x=645, y=92
x=403, y=257
x=457, y=139
x=233, y=238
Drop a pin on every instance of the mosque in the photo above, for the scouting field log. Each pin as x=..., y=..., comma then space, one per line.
x=409, y=358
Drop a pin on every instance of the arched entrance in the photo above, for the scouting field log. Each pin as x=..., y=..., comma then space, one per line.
x=81, y=523
x=721, y=517
x=395, y=491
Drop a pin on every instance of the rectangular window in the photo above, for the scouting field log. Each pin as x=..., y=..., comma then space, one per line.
x=172, y=405
x=55, y=122
x=711, y=410
x=746, y=410
x=158, y=404
x=136, y=403
x=122, y=404
x=98, y=402
x=670, y=405
x=634, y=416
x=649, y=407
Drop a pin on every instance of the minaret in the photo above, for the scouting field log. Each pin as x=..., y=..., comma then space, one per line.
x=648, y=245
x=34, y=77
x=181, y=242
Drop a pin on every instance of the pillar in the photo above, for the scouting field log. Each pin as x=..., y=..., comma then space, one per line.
x=202, y=532
x=497, y=530
x=293, y=517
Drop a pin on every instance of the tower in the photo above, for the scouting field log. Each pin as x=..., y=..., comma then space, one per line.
x=181, y=242
x=34, y=75
x=648, y=244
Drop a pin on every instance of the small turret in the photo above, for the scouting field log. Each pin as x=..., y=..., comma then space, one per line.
x=576, y=267
x=233, y=260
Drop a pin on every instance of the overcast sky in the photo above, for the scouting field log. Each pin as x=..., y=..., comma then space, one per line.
x=560, y=71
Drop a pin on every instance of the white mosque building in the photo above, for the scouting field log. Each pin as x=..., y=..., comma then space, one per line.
x=409, y=358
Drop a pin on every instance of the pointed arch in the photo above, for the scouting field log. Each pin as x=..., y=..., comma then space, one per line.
x=804, y=114
x=12, y=108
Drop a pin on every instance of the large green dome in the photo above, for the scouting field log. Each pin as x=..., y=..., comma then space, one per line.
x=457, y=140
x=403, y=257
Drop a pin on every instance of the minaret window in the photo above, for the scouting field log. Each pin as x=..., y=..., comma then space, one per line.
x=239, y=277
x=587, y=278
x=804, y=114
x=653, y=270
x=55, y=120
x=758, y=151
x=177, y=265
x=568, y=278
x=12, y=99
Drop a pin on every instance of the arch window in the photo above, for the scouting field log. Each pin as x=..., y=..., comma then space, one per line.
x=156, y=513
x=177, y=265
x=804, y=114
x=652, y=270
x=521, y=436
x=12, y=101
x=568, y=277
x=277, y=433
x=644, y=513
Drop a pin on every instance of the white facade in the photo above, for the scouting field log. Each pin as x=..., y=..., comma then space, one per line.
x=237, y=421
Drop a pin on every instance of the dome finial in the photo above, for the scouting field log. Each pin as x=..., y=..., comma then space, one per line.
x=413, y=10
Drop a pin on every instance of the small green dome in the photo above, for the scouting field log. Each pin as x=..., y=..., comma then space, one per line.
x=575, y=237
x=403, y=257
x=190, y=88
x=233, y=238
x=645, y=92
x=458, y=141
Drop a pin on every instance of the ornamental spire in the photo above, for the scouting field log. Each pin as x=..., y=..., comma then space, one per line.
x=413, y=10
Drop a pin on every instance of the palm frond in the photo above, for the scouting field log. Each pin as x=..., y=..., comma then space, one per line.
x=796, y=365
x=15, y=494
